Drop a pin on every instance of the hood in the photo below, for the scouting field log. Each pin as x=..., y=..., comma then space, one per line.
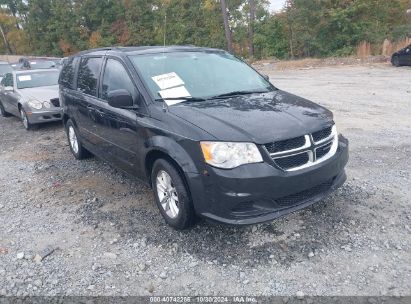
x=260, y=118
x=41, y=93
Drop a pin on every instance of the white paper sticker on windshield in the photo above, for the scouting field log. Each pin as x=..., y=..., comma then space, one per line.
x=24, y=78
x=33, y=62
x=167, y=81
x=174, y=93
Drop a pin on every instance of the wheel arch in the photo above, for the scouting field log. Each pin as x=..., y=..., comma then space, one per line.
x=156, y=154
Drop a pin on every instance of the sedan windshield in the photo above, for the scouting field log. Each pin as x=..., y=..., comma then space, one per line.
x=42, y=64
x=4, y=69
x=37, y=79
x=200, y=75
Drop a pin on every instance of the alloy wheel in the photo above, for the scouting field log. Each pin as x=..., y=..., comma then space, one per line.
x=167, y=194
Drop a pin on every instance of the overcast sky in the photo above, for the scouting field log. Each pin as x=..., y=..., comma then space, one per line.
x=276, y=4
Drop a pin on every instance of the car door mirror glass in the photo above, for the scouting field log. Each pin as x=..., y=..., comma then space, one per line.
x=121, y=99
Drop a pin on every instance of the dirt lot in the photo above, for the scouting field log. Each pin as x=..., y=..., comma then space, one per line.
x=109, y=239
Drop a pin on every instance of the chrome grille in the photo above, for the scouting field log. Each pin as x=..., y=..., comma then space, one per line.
x=304, y=151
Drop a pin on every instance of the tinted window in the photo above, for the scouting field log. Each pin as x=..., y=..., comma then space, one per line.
x=68, y=72
x=8, y=80
x=88, y=75
x=37, y=79
x=116, y=78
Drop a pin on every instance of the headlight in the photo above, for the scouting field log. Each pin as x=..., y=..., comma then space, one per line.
x=46, y=104
x=35, y=104
x=229, y=155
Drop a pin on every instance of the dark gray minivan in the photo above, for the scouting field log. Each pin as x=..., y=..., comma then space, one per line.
x=210, y=135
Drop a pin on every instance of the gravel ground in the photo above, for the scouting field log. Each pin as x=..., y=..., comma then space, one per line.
x=82, y=228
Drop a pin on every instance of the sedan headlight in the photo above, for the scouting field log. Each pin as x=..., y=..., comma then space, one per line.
x=35, y=104
x=228, y=155
x=46, y=104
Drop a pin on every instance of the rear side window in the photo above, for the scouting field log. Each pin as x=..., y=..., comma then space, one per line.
x=68, y=72
x=88, y=75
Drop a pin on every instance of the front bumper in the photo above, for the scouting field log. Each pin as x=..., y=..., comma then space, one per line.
x=37, y=117
x=258, y=193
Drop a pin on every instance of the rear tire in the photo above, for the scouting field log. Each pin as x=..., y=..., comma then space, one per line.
x=395, y=61
x=172, y=195
x=76, y=146
x=3, y=112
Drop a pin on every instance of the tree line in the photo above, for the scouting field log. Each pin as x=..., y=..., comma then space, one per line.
x=303, y=28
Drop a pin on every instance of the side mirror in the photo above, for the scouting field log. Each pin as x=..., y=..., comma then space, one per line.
x=121, y=99
x=8, y=89
x=266, y=77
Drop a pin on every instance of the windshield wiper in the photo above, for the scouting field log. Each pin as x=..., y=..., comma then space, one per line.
x=185, y=99
x=236, y=93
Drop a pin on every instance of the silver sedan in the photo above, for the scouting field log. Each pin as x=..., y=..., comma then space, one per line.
x=31, y=95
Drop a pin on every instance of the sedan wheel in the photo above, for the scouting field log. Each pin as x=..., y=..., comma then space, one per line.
x=167, y=194
x=24, y=119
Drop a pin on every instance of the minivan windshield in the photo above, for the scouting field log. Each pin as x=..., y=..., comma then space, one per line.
x=200, y=75
x=37, y=79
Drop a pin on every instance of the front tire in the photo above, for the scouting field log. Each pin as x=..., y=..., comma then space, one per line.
x=396, y=61
x=172, y=195
x=3, y=112
x=76, y=147
x=25, y=120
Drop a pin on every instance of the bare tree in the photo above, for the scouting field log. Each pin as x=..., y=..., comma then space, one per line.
x=288, y=7
x=6, y=42
x=251, y=22
x=227, y=29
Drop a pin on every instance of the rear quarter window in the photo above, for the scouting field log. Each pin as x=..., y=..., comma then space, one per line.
x=67, y=74
x=88, y=74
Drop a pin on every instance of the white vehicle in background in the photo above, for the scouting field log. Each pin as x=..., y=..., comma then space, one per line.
x=31, y=95
x=5, y=68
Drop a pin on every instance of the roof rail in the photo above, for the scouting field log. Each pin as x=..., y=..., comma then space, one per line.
x=97, y=50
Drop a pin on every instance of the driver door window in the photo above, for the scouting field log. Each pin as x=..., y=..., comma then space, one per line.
x=116, y=78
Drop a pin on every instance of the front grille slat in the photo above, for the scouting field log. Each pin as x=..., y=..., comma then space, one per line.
x=322, y=151
x=322, y=134
x=292, y=161
x=286, y=145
